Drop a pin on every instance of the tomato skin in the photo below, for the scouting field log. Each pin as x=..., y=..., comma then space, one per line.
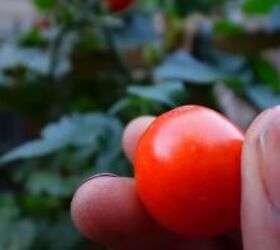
x=187, y=167
x=119, y=5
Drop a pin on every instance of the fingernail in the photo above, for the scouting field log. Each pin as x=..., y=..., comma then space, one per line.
x=270, y=156
x=98, y=176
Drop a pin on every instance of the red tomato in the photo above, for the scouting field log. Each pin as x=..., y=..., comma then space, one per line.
x=119, y=5
x=187, y=167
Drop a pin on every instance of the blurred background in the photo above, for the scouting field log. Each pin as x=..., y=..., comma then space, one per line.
x=74, y=72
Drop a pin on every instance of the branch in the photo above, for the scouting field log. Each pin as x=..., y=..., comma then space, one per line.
x=248, y=43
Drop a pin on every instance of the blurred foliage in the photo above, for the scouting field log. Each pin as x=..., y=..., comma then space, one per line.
x=83, y=70
x=259, y=6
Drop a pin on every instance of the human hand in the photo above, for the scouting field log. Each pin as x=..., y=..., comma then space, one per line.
x=106, y=208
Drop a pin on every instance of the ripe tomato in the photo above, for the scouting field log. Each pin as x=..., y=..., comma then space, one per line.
x=187, y=167
x=119, y=5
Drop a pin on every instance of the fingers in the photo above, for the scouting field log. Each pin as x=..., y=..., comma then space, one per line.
x=261, y=183
x=107, y=210
x=133, y=132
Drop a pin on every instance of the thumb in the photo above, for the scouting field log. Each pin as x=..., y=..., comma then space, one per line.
x=260, y=213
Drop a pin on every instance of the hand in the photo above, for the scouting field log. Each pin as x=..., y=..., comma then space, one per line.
x=107, y=210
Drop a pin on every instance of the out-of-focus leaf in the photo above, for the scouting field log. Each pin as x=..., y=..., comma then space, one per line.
x=45, y=5
x=50, y=183
x=272, y=23
x=163, y=93
x=16, y=233
x=227, y=62
x=266, y=73
x=183, y=67
x=206, y=6
x=41, y=205
x=78, y=130
x=30, y=58
x=8, y=208
x=120, y=105
x=32, y=149
x=225, y=27
x=263, y=97
x=137, y=30
x=22, y=236
x=4, y=80
x=57, y=235
x=238, y=85
x=259, y=6
x=74, y=130
x=110, y=146
x=33, y=37
x=70, y=235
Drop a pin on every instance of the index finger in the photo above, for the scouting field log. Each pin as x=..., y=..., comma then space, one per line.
x=133, y=132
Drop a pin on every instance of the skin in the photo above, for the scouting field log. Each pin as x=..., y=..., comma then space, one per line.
x=107, y=209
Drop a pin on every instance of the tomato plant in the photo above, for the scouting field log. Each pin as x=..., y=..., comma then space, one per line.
x=188, y=171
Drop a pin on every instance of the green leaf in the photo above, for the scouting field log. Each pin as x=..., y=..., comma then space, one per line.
x=33, y=37
x=263, y=97
x=225, y=27
x=75, y=130
x=266, y=73
x=259, y=6
x=45, y=5
x=272, y=23
x=8, y=207
x=137, y=32
x=16, y=233
x=120, y=105
x=184, y=67
x=163, y=93
x=32, y=149
x=22, y=235
x=67, y=240
x=41, y=205
x=110, y=144
x=50, y=183
x=95, y=130
x=206, y=6
x=58, y=234
x=33, y=59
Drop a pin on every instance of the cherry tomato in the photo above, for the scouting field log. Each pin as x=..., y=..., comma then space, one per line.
x=187, y=167
x=119, y=5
